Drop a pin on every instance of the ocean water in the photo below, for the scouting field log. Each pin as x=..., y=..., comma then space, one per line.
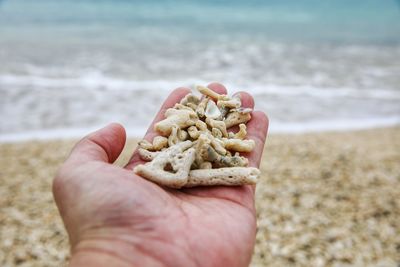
x=69, y=66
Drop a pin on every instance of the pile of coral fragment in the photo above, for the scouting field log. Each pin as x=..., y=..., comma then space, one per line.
x=195, y=148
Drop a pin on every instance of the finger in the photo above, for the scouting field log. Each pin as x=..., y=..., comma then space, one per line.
x=217, y=87
x=103, y=145
x=246, y=99
x=171, y=100
x=257, y=129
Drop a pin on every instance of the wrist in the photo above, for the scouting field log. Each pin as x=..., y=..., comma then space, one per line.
x=110, y=253
x=121, y=247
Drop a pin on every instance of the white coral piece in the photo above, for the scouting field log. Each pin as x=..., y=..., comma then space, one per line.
x=210, y=93
x=181, y=117
x=223, y=176
x=239, y=145
x=178, y=158
x=241, y=134
x=236, y=117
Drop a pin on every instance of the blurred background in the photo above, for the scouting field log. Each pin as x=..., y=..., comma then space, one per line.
x=67, y=67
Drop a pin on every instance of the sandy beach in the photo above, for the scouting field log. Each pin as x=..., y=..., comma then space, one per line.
x=324, y=199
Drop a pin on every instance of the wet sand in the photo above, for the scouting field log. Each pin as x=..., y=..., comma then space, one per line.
x=325, y=199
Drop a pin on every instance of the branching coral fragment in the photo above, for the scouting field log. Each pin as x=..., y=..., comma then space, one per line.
x=235, y=118
x=241, y=134
x=220, y=125
x=210, y=93
x=181, y=117
x=178, y=157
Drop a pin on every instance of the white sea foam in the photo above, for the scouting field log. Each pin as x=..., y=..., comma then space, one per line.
x=92, y=80
x=23, y=109
x=95, y=80
x=326, y=92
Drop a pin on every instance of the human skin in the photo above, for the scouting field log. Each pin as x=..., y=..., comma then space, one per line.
x=116, y=218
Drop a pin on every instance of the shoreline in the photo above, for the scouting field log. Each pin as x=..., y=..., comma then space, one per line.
x=274, y=129
x=324, y=199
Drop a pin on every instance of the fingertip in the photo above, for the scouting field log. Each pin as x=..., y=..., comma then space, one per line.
x=181, y=92
x=112, y=138
x=246, y=99
x=217, y=87
x=105, y=145
x=119, y=133
x=117, y=128
x=261, y=117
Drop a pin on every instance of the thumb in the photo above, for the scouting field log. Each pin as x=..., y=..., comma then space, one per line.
x=104, y=145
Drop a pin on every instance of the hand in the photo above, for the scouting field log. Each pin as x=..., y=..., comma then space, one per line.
x=116, y=218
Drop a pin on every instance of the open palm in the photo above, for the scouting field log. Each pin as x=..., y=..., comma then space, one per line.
x=116, y=218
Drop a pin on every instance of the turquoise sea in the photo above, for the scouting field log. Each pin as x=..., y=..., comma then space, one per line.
x=68, y=66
